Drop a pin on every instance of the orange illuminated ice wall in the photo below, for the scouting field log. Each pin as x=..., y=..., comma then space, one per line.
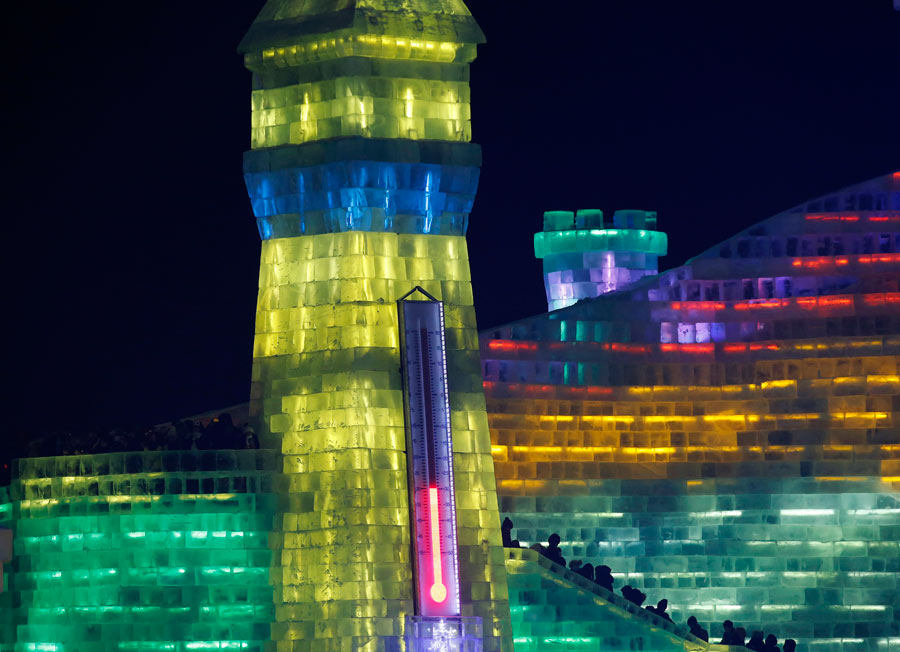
x=726, y=434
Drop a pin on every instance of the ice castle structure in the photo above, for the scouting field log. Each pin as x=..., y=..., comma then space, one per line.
x=725, y=434
x=140, y=551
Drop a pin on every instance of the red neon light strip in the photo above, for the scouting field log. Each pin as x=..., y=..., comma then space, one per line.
x=510, y=345
x=438, y=590
x=698, y=305
x=833, y=218
x=824, y=261
x=851, y=218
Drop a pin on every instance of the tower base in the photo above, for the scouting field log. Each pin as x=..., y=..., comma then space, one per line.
x=444, y=634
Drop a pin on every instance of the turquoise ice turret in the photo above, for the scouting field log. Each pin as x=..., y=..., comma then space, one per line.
x=585, y=257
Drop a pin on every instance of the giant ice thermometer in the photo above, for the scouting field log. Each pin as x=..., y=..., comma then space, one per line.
x=429, y=456
x=437, y=625
x=362, y=178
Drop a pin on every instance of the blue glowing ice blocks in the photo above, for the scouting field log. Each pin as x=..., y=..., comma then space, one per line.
x=426, y=198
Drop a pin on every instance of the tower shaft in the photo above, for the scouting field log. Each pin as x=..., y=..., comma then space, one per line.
x=362, y=178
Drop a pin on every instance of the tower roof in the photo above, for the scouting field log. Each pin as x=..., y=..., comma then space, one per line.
x=283, y=22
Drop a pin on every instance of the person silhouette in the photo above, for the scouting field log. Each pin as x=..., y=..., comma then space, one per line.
x=604, y=577
x=660, y=609
x=251, y=441
x=633, y=595
x=739, y=635
x=506, y=532
x=756, y=642
x=696, y=629
x=790, y=645
x=587, y=571
x=553, y=551
x=539, y=548
x=728, y=634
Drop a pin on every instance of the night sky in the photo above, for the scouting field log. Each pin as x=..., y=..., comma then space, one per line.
x=132, y=255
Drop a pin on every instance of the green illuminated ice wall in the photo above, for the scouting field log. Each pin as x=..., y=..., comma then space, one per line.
x=142, y=551
x=7, y=627
x=556, y=609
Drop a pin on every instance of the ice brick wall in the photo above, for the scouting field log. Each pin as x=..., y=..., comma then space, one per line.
x=362, y=179
x=7, y=622
x=727, y=431
x=554, y=609
x=810, y=559
x=143, y=551
x=327, y=386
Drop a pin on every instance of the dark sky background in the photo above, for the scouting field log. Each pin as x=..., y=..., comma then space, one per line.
x=131, y=252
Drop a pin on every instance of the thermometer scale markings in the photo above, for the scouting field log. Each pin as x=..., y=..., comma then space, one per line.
x=438, y=590
x=432, y=499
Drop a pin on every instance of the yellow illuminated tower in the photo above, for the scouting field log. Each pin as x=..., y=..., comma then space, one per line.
x=362, y=177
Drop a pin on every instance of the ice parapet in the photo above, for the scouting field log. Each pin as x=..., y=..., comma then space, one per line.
x=149, y=551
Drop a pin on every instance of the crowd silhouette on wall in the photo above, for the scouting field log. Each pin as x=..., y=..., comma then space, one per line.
x=221, y=433
x=602, y=576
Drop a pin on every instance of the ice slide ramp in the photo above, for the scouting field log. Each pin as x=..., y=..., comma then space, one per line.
x=555, y=610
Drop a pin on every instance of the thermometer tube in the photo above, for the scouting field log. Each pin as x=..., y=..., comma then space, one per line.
x=430, y=459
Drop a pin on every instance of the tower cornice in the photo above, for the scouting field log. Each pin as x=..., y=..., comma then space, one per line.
x=283, y=23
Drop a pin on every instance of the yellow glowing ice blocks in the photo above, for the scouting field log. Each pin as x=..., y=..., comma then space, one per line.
x=327, y=385
x=382, y=69
x=362, y=178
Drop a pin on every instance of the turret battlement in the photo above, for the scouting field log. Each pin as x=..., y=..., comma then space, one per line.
x=586, y=255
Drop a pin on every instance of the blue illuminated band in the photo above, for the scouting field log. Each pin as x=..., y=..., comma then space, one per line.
x=412, y=187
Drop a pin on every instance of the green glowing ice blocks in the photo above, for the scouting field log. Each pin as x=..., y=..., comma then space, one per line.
x=154, y=551
x=7, y=622
x=555, y=609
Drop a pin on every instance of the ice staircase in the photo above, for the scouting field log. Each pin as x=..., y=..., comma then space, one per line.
x=555, y=610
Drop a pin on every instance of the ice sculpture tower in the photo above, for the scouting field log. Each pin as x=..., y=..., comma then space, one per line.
x=362, y=177
x=585, y=257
